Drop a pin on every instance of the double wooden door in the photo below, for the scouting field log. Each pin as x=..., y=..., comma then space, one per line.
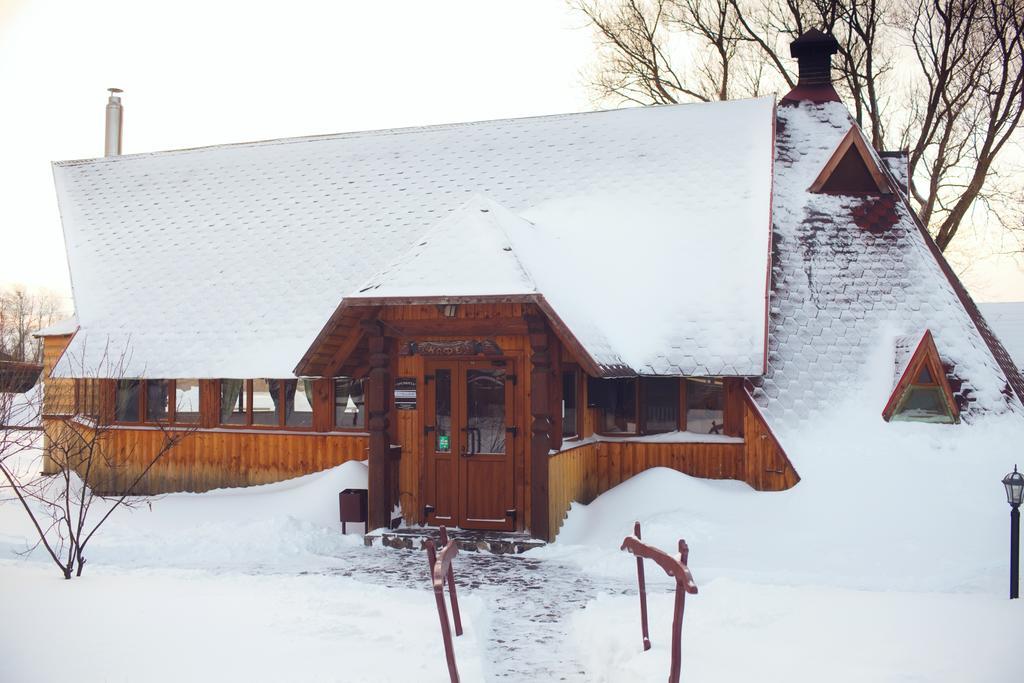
x=470, y=436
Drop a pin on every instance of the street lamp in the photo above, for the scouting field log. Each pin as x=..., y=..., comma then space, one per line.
x=1014, y=483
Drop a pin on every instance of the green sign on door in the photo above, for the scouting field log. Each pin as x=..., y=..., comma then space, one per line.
x=442, y=443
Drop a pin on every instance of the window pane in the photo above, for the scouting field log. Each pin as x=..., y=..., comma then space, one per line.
x=127, y=408
x=443, y=411
x=186, y=401
x=570, y=426
x=704, y=406
x=619, y=415
x=298, y=403
x=156, y=399
x=232, y=401
x=349, y=403
x=265, y=396
x=485, y=410
x=661, y=405
x=924, y=404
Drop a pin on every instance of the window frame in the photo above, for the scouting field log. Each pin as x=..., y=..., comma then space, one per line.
x=924, y=356
x=282, y=418
x=334, y=427
x=725, y=404
x=642, y=403
x=641, y=410
x=172, y=408
x=574, y=370
x=932, y=385
x=600, y=412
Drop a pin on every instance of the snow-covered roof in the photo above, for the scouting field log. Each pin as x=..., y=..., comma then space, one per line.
x=615, y=307
x=468, y=253
x=65, y=326
x=1008, y=321
x=226, y=261
x=852, y=275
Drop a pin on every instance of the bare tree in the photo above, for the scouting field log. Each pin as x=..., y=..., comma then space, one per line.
x=963, y=107
x=83, y=480
x=23, y=312
x=968, y=105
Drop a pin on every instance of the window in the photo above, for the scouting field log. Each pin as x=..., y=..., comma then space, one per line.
x=267, y=402
x=615, y=400
x=923, y=404
x=157, y=400
x=186, y=401
x=298, y=404
x=922, y=392
x=265, y=399
x=129, y=400
x=234, y=402
x=660, y=403
x=570, y=401
x=635, y=406
x=705, y=406
x=652, y=405
x=349, y=403
x=924, y=401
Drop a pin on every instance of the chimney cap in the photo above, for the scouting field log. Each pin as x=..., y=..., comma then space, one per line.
x=813, y=41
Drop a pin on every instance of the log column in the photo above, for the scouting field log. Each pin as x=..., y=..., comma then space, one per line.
x=540, y=424
x=377, y=400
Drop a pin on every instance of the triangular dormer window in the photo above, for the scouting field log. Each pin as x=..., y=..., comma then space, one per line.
x=922, y=392
x=852, y=169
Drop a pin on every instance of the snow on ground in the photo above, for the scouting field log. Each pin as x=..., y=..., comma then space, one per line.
x=228, y=585
x=888, y=562
x=290, y=523
x=180, y=625
x=738, y=631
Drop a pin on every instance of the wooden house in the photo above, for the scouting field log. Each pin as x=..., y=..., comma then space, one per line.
x=17, y=377
x=507, y=316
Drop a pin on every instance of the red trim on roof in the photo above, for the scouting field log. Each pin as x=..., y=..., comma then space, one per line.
x=1010, y=371
x=771, y=235
x=853, y=139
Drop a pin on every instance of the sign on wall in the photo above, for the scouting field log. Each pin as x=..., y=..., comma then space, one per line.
x=405, y=393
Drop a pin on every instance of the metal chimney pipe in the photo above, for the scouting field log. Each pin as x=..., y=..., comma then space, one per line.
x=115, y=117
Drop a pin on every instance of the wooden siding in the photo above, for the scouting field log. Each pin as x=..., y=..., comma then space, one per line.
x=581, y=474
x=58, y=394
x=573, y=475
x=220, y=457
x=215, y=459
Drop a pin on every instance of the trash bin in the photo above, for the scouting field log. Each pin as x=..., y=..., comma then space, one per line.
x=352, y=507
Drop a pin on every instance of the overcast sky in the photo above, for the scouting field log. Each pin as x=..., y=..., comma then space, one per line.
x=200, y=72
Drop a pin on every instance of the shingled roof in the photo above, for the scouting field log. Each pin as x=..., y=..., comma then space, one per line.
x=852, y=275
x=226, y=261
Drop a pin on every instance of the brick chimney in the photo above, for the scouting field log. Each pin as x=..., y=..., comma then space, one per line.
x=813, y=52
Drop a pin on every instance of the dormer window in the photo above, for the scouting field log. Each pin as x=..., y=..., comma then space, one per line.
x=852, y=170
x=922, y=392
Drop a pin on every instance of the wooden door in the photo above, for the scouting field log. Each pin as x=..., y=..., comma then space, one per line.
x=470, y=444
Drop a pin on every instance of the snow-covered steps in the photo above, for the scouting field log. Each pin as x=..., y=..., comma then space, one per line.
x=495, y=542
